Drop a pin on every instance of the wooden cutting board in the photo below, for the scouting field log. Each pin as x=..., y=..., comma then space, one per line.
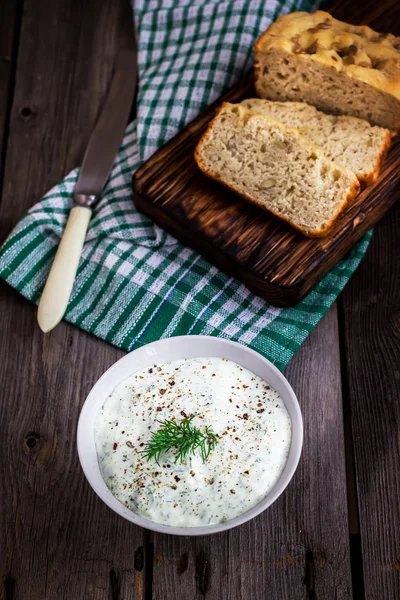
x=270, y=258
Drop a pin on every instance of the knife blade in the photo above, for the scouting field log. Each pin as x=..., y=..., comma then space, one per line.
x=106, y=138
x=100, y=154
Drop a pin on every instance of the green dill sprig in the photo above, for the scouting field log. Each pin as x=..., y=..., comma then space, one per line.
x=184, y=437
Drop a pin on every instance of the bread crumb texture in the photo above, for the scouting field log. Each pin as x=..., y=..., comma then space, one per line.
x=275, y=167
x=350, y=142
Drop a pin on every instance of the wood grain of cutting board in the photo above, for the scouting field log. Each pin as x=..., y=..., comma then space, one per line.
x=268, y=256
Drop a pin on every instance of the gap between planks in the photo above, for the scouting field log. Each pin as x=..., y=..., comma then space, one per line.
x=352, y=496
x=13, y=10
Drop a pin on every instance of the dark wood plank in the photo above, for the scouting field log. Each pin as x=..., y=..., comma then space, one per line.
x=271, y=259
x=372, y=342
x=381, y=16
x=372, y=354
x=57, y=539
x=298, y=548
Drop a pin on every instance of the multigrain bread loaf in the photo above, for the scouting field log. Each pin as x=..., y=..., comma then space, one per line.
x=275, y=167
x=339, y=68
x=350, y=142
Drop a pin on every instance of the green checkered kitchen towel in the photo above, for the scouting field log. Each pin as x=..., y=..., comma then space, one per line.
x=135, y=282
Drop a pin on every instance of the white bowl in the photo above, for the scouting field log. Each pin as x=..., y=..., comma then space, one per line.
x=174, y=349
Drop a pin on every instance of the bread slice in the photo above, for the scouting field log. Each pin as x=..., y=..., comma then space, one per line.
x=275, y=167
x=337, y=67
x=350, y=142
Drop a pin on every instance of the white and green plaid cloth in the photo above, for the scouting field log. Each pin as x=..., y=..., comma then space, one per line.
x=135, y=282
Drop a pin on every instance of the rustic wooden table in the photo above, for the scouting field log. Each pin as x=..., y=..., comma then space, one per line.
x=335, y=532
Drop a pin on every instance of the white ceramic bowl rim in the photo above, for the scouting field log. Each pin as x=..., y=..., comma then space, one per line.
x=176, y=348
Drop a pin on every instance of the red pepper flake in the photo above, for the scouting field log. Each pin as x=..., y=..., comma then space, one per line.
x=246, y=473
x=204, y=367
x=245, y=386
x=225, y=433
x=245, y=416
x=259, y=404
x=162, y=391
x=115, y=445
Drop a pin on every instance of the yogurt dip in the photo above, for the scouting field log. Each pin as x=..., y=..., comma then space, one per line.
x=248, y=416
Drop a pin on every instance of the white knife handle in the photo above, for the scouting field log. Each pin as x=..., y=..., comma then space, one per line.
x=58, y=288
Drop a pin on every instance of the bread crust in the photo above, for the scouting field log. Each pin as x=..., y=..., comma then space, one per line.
x=322, y=102
x=334, y=35
x=352, y=193
x=348, y=53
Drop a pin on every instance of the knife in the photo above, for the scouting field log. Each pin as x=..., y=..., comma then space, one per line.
x=97, y=163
